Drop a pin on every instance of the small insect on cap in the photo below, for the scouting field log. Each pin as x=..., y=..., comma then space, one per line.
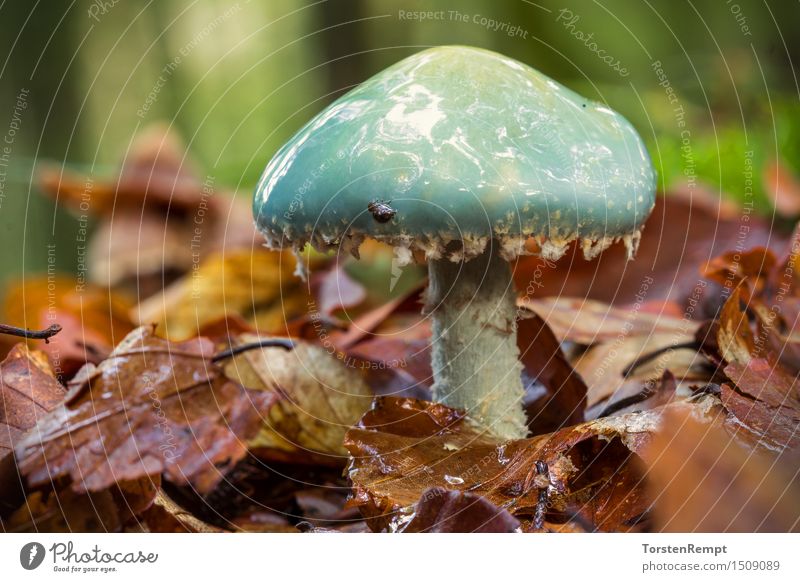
x=450, y=148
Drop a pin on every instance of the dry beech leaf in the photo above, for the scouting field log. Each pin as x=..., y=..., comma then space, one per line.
x=152, y=407
x=594, y=476
x=235, y=282
x=703, y=481
x=320, y=399
x=440, y=510
x=587, y=322
x=733, y=268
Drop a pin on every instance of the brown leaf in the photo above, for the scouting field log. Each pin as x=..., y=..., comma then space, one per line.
x=151, y=407
x=158, y=217
x=337, y=291
x=93, y=319
x=166, y=516
x=28, y=392
x=703, y=481
x=320, y=398
x=395, y=366
x=759, y=424
x=67, y=511
x=442, y=511
x=783, y=189
x=684, y=231
x=555, y=394
x=733, y=268
x=587, y=322
x=604, y=366
x=765, y=381
x=735, y=338
x=258, y=285
x=593, y=474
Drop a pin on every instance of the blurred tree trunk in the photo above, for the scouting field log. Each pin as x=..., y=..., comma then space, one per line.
x=344, y=44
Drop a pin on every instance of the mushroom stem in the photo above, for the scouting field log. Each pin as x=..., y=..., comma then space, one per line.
x=474, y=351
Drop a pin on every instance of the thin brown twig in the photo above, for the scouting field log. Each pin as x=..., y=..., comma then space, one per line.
x=286, y=344
x=44, y=334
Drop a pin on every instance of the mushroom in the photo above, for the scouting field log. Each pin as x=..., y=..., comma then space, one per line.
x=462, y=155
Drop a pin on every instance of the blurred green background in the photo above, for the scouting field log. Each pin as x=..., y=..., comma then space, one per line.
x=236, y=79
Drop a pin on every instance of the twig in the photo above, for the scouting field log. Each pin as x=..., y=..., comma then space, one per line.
x=646, y=392
x=286, y=344
x=649, y=357
x=44, y=334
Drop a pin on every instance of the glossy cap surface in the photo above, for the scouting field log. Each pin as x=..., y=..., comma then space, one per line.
x=464, y=145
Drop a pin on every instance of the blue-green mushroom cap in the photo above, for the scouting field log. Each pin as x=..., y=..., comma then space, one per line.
x=451, y=148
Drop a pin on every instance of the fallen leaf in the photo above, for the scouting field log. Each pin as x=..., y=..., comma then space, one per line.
x=93, y=319
x=65, y=511
x=587, y=322
x=783, y=188
x=685, y=230
x=157, y=219
x=759, y=424
x=592, y=474
x=244, y=283
x=555, y=394
x=442, y=511
x=320, y=398
x=703, y=481
x=606, y=368
x=166, y=516
x=337, y=291
x=28, y=392
x=151, y=407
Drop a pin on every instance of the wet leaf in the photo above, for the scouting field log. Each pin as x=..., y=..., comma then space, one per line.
x=151, y=407
x=28, y=392
x=593, y=473
x=442, y=511
x=320, y=399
